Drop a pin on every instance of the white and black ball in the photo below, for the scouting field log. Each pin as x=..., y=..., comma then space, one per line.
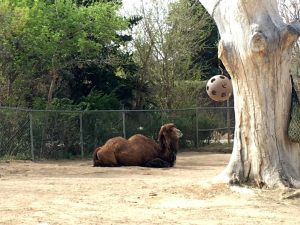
x=219, y=88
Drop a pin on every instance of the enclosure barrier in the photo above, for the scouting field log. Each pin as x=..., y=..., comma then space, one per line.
x=53, y=134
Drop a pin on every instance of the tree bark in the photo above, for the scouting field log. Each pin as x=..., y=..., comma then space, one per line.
x=255, y=48
x=54, y=77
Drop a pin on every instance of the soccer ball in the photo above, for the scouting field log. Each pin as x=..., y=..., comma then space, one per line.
x=219, y=88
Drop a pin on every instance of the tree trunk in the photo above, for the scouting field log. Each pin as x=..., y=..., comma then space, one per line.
x=10, y=80
x=54, y=77
x=255, y=48
x=9, y=88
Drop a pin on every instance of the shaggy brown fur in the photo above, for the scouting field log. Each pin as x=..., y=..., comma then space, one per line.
x=139, y=150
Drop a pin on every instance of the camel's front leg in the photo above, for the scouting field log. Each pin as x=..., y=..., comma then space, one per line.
x=157, y=163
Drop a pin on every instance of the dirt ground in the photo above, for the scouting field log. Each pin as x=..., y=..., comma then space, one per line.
x=74, y=192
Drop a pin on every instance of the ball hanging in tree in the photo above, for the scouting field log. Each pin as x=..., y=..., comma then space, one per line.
x=219, y=88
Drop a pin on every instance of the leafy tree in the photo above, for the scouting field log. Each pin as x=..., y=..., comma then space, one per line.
x=12, y=19
x=192, y=40
x=149, y=52
x=56, y=36
x=74, y=35
x=172, y=46
x=91, y=2
x=97, y=100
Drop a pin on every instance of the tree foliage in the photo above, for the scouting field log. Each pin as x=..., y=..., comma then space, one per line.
x=71, y=52
x=59, y=48
x=192, y=40
x=174, y=45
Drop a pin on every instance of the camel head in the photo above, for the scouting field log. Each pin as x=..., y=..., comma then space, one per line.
x=168, y=137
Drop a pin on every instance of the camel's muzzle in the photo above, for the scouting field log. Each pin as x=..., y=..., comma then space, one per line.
x=180, y=134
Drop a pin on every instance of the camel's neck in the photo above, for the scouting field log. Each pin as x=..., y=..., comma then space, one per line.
x=170, y=152
x=173, y=147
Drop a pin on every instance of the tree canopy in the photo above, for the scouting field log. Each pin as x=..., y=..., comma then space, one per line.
x=48, y=45
x=174, y=46
x=70, y=53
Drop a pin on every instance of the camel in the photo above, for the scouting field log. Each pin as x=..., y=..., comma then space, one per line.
x=139, y=150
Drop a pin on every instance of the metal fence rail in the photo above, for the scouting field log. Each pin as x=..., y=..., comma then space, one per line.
x=52, y=134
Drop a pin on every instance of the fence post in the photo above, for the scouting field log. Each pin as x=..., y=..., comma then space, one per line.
x=31, y=136
x=197, y=128
x=124, y=123
x=81, y=135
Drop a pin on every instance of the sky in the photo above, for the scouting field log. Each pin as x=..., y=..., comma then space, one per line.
x=130, y=3
x=129, y=6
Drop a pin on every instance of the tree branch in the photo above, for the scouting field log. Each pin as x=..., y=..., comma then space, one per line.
x=258, y=42
x=291, y=33
x=296, y=26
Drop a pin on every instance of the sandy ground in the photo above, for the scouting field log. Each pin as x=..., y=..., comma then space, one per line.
x=73, y=192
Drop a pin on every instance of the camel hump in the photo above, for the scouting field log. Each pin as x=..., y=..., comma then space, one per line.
x=137, y=137
x=141, y=139
x=119, y=138
x=116, y=142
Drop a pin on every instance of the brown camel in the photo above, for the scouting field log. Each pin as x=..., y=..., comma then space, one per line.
x=139, y=150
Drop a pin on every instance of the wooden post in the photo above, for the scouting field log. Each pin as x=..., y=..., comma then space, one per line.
x=81, y=135
x=124, y=123
x=197, y=128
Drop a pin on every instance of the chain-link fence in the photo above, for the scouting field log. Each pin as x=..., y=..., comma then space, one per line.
x=46, y=134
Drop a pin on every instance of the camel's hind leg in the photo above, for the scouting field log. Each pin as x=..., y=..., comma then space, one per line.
x=157, y=163
x=105, y=158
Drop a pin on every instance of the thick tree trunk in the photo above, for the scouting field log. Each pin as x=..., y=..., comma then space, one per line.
x=255, y=48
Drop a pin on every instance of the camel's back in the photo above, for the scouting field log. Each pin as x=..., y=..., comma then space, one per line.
x=140, y=150
x=141, y=143
x=139, y=138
